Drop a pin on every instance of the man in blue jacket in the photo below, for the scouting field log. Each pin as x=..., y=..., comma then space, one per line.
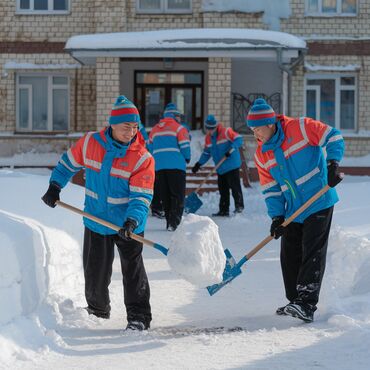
x=222, y=142
x=119, y=186
x=170, y=145
x=292, y=168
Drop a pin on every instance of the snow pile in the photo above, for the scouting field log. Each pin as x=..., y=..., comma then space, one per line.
x=348, y=263
x=30, y=272
x=196, y=251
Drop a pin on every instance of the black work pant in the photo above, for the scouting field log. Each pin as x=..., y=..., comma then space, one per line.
x=156, y=201
x=227, y=181
x=303, y=257
x=172, y=192
x=98, y=255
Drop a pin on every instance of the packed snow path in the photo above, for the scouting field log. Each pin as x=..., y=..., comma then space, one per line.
x=234, y=329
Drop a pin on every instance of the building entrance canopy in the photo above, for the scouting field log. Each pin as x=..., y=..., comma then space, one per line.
x=187, y=43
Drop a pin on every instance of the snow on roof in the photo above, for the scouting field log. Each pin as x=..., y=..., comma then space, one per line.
x=343, y=68
x=272, y=10
x=17, y=65
x=195, y=38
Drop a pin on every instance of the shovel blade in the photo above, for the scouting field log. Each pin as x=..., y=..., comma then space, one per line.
x=232, y=270
x=192, y=203
x=161, y=248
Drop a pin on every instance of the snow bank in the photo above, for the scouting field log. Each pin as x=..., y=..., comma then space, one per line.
x=348, y=263
x=36, y=263
x=196, y=251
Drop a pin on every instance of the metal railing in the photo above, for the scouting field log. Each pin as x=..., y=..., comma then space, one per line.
x=242, y=104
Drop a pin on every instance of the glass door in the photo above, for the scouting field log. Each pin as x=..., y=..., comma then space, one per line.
x=153, y=90
x=151, y=104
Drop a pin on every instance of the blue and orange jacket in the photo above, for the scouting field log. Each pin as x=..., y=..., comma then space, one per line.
x=217, y=144
x=292, y=167
x=119, y=178
x=170, y=145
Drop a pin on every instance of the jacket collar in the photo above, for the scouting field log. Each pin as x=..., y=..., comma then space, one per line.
x=276, y=139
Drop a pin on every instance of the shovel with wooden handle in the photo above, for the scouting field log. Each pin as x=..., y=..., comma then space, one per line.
x=192, y=201
x=114, y=227
x=233, y=269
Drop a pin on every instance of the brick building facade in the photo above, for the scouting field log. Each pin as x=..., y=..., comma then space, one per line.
x=48, y=98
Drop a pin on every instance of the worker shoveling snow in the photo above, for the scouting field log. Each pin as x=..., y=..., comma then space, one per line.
x=196, y=251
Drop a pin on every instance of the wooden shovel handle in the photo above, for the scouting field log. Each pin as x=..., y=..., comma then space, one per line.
x=100, y=221
x=288, y=220
x=214, y=169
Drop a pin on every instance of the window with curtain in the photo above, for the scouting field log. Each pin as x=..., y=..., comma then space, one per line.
x=43, y=6
x=331, y=7
x=332, y=100
x=42, y=103
x=163, y=6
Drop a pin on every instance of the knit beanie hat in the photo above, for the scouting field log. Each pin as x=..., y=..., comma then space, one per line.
x=171, y=111
x=124, y=110
x=210, y=122
x=261, y=114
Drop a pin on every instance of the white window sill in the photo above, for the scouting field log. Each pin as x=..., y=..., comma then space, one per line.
x=42, y=12
x=161, y=12
x=331, y=15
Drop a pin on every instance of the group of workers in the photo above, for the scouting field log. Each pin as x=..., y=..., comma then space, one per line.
x=123, y=167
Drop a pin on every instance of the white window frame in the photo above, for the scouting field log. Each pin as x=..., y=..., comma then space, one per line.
x=51, y=87
x=163, y=9
x=338, y=89
x=338, y=13
x=49, y=11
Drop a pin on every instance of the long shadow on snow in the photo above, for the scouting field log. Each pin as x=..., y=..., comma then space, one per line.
x=347, y=351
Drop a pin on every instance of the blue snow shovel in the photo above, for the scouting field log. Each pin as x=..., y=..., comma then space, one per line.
x=233, y=269
x=138, y=238
x=192, y=201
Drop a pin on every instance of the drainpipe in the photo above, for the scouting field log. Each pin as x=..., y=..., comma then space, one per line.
x=289, y=68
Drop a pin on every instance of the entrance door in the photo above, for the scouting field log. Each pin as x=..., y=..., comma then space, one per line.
x=156, y=89
x=184, y=98
x=153, y=103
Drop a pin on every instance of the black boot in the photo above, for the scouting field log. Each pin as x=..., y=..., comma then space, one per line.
x=221, y=214
x=136, y=325
x=281, y=310
x=299, y=311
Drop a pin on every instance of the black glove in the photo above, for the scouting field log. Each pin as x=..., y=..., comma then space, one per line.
x=128, y=227
x=52, y=194
x=276, y=230
x=228, y=153
x=334, y=177
x=196, y=168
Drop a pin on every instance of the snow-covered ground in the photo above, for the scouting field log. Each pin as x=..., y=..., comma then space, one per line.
x=43, y=325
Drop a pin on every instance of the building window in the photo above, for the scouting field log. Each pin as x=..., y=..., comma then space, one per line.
x=332, y=99
x=42, y=6
x=163, y=6
x=42, y=103
x=331, y=7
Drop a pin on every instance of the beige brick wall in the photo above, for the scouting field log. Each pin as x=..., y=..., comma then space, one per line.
x=107, y=88
x=82, y=108
x=219, y=89
x=357, y=146
x=233, y=20
x=110, y=16
x=16, y=27
x=301, y=24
